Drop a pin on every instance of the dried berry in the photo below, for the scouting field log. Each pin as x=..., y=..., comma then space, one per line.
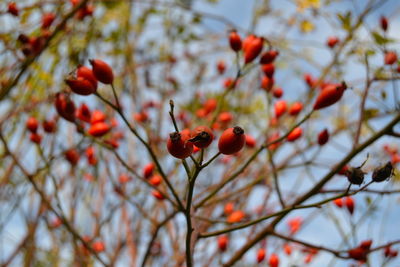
x=355, y=175
x=383, y=173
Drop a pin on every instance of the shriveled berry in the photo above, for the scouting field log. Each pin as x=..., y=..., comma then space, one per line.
x=383, y=173
x=355, y=175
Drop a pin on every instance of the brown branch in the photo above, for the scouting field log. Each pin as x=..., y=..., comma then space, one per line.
x=26, y=64
x=270, y=228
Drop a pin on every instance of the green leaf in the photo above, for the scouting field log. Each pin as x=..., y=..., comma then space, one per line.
x=371, y=113
x=368, y=200
x=381, y=40
x=346, y=20
x=370, y=52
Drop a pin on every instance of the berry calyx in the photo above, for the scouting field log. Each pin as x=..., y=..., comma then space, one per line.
x=202, y=136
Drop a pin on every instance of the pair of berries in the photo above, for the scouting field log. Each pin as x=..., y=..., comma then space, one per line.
x=252, y=45
x=85, y=82
x=348, y=202
x=180, y=145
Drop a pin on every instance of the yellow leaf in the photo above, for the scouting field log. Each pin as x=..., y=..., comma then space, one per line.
x=304, y=4
x=306, y=26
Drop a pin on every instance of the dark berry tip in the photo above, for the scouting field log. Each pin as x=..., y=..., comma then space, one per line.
x=175, y=136
x=238, y=130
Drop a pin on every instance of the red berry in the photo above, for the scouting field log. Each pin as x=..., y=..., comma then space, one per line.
x=247, y=42
x=229, y=83
x=332, y=41
x=86, y=10
x=235, y=216
x=13, y=9
x=97, y=116
x=229, y=208
x=49, y=126
x=309, y=80
x=179, y=146
x=89, y=152
x=195, y=149
x=35, y=138
x=273, y=260
x=91, y=155
x=155, y=180
x=278, y=92
x=56, y=222
x=387, y=251
x=112, y=142
x=202, y=136
x=81, y=86
x=225, y=117
x=390, y=58
x=338, y=202
x=268, y=57
x=231, y=141
x=148, y=170
x=47, y=20
x=366, y=245
x=295, y=134
x=221, y=67
x=235, y=41
x=142, y=116
x=102, y=71
x=323, y=137
x=280, y=108
x=157, y=194
x=287, y=249
x=295, y=224
x=86, y=73
x=349, y=204
x=260, y=255
x=275, y=136
x=65, y=107
x=253, y=49
x=250, y=141
x=308, y=258
x=329, y=95
x=384, y=23
x=223, y=242
x=72, y=156
x=201, y=113
x=295, y=108
x=83, y=113
x=124, y=178
x=32, y=124
x=267, y=83
x=210, y=105
x=268, y=69
x=343, y=170
x=98, y=246
x=99, y=129
x=358, y=254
